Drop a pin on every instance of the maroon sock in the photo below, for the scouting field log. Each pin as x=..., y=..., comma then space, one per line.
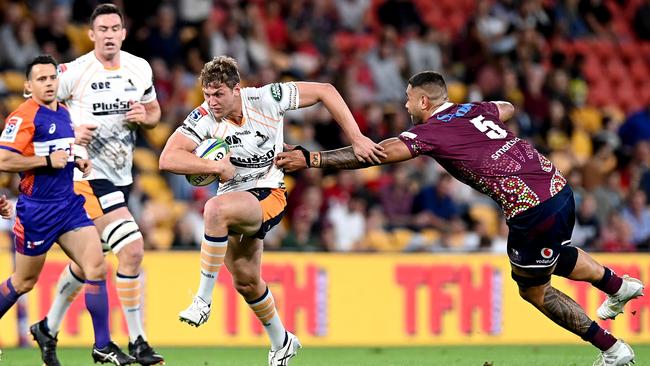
x=599, y=337
x=610, y=283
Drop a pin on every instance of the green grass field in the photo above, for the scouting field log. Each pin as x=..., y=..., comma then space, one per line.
x=321, y=356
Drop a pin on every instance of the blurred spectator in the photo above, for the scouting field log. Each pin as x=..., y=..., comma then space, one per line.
x=19, y=44
x=434, y=206
x=423, y=51
x=636, y=128
x=227, y=40
x=386, y=67
x=637, y=215
x=617, y=235
x=194, y=12
x=586, y=231
x=349, y=224
x=569, y=22
x=50, y=31
x=164, y=39
x=396, y=198
x=352, y=13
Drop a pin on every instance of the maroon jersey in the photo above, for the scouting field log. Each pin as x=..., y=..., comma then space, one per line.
x=474, y=146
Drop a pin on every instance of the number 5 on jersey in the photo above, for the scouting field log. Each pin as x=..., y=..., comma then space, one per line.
x=489, y=128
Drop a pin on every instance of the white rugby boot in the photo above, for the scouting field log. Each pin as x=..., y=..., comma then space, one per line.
x=282, y=356
x=613, y=304
x=197, y=313
x=620, y=354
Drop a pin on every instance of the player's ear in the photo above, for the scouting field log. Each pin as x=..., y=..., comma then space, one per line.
x=27, y=89
x=236, y=89
x=123, y=34
x=91, y=34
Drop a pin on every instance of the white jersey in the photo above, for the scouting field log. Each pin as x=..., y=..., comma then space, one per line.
x=100, y=96
x=254, y=143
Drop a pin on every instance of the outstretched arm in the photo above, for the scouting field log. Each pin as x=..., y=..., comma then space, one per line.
x=344, y=158
x=312, y=93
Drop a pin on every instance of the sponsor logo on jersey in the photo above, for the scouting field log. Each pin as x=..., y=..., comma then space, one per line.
x=111, y=199
x=34, y=244
x=240, y=133
x=503, y=149
x=461, y=111
x=11, y=129
x=52, y=128
x=253, y=97
x=255, y=161
x=117, y=107
x=276, y=92
x=547, y=253
x=197, y=113
x=100, y=85
x=233, y=141
x=263, y=138
x=130, y=86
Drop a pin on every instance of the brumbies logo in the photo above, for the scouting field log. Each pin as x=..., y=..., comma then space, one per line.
x=547, y=253
x=276, y=92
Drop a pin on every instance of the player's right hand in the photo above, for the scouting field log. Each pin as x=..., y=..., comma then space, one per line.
x=83, y=134
x=226, y=169
x=6, y=208
x=59, y=159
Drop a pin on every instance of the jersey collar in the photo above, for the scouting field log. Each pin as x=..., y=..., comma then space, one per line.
x=444, y=106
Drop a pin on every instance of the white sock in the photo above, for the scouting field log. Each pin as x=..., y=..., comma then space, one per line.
x=128, y=291
x=67, y=290
x=264, y=309
x=213, y=251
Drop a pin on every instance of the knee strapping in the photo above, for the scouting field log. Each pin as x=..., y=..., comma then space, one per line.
x=525, y=282
x=119, y=233
x=566, y=262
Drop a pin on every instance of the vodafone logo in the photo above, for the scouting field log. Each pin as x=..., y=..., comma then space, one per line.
x=547, y=253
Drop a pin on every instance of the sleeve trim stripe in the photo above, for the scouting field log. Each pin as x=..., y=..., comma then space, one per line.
x=186, y=128
x=4, y=147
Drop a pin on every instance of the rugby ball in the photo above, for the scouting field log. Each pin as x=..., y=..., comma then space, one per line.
x=212, y=149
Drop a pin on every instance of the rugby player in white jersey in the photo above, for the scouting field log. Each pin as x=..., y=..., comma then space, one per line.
x=109, y=93
x=251, y=197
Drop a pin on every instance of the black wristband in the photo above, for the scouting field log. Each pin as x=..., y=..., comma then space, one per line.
x=48, y=160
x=305, y=153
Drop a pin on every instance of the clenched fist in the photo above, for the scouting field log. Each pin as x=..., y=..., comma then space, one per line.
x=59, y=159
x=83, y=134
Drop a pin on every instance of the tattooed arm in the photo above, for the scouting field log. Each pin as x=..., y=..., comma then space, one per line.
x=343, y=158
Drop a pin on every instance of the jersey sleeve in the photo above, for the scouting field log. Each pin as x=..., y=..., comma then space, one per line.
x=416, y=142
x=281, y=96
x=149, y=94
x=491, y=108
x=18, y=133
x=195, y=126
x=66, y=79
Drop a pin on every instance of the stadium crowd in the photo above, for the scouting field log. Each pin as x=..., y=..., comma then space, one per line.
x=576, y=70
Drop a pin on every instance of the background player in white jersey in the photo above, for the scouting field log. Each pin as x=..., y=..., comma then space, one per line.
x=109, y=92
x=251, y=198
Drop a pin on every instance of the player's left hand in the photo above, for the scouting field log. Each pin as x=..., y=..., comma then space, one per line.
x=84, y=165
x=6, y=208
x=291, y=161
x=137, y=114
x=366, y=150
